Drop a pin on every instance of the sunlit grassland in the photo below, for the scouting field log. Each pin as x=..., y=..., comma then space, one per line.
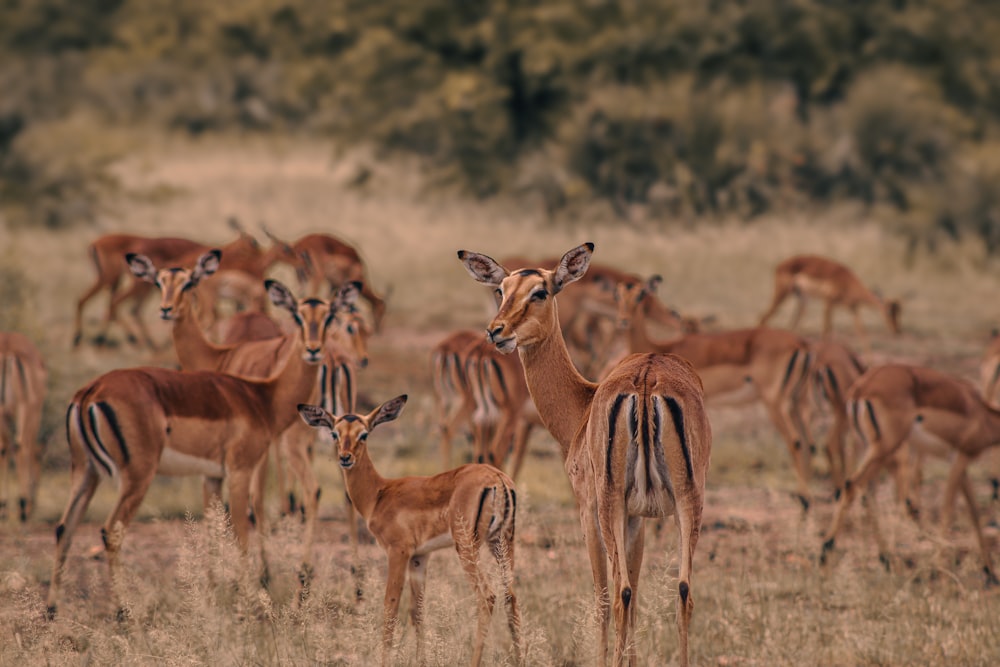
x=760, y=597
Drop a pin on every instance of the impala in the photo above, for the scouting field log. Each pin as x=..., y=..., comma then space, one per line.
x=246, y=326
x=736, y=367
x=411, y=517
x=635, y=445
x=256, y=359
x=324, y=259
x=833, y=370
x=896, y=403
x=812, y=276
x=132, y=424
x=22, y=392
x=454, y=402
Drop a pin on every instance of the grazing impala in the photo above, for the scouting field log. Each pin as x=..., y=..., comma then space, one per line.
x=737, y=367
x=22, y=393
x=989, y=372
x=411, y=517
x=636, y=445
x=133, y=424
x=812, y=276
x=258, y=359
x=896, y=403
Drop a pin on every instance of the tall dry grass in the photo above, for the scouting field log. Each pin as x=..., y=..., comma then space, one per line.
x=760, y=598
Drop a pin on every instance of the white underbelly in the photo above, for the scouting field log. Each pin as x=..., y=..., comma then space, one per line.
x=442, y=541
x=178, y=464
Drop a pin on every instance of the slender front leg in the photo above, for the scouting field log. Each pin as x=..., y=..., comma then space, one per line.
x=970, y=500
x=393, y=592
x=417, y=572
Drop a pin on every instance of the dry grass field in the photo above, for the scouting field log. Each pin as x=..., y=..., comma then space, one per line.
x=761, y=599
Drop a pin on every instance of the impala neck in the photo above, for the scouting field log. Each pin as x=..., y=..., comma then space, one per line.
x=194, y=350
x=293, y=384
x=364, y=485
x=562, y=396
x=638, y=334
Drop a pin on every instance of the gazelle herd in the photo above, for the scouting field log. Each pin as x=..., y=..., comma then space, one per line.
x=626, y=407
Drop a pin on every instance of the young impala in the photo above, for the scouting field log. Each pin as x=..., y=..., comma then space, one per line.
x=636, y=445
x=411, y=517
x=132, y=424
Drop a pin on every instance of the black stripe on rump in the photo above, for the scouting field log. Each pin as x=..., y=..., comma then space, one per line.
x=479, y=513
x=93, y=428
x=3, y=381
x=109, y=414
x=499, y=374
x=790, y=368
x=871, y=416
x=678, y=417
x=834, y=385
x=86, y=439
x=612, y=421
x=513, y=508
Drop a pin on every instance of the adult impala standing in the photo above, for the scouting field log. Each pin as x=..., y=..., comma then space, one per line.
x=635, y=445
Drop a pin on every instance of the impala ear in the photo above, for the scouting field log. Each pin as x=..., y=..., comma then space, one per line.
x=141, y=267
x=387, y=412
x=315, y=416
x=206, y=266
x=572, y=266
x=653, y=283
x=281, y=296
x=347, y=295
x=482, y=268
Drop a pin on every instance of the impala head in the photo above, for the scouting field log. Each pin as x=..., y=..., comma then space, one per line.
x=313, y=316
x=630, y=295
x=527, y=313
x=174, y=283
x=350, y=432
x=353, y=333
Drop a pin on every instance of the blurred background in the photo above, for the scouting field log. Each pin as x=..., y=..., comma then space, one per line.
x=670, y=112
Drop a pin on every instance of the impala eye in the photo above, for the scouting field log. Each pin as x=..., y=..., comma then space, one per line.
x=350, y=329
x=334, y=435
x=363, y=437
x=540, y=295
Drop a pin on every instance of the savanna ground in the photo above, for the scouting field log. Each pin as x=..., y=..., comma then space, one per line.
x=760, y=597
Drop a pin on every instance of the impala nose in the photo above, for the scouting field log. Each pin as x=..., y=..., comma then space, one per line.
x=166, y=313
x=314, y=353
x=493, y=333
x=345, y=460
x=364, y=362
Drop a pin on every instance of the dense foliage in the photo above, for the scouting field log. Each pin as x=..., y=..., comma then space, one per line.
x=676, y=108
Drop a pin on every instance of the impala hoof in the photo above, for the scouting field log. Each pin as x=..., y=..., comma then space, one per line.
x=50, y=612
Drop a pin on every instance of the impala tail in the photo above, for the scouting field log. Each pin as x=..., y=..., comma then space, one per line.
x=496, y=512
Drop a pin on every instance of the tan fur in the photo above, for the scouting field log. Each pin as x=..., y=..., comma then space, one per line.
x=23, y=379
x=635, y=445
x=833, y=369
x=812, y=276
x=120, y=425
x=257, y=359
x=739, y=366
x=892, y=404
x=413, y=516
x=454, y=402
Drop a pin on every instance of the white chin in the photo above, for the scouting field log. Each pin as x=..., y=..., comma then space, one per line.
x=507, y=346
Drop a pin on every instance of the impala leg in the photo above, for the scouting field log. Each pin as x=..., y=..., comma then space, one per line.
x=468, y=547
x=797, y=448
x=521, y=435
x=28, y=457
x=613, y=520
x=780, y=294
x=836, y=450
x=827, y=318
x=239, y=500
x=868, y=500
x=503, y=551
x=970, y=501
x=417, y=573
x=6, y=447
x=873, y=460
x=85, y=481
x=113, y=532
x=688, y=515
x=295, y=444
x=211, y=492
x=599, y=569
x=87, y=296
x=393, y=592
x=800, y=307
x=860, y=329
